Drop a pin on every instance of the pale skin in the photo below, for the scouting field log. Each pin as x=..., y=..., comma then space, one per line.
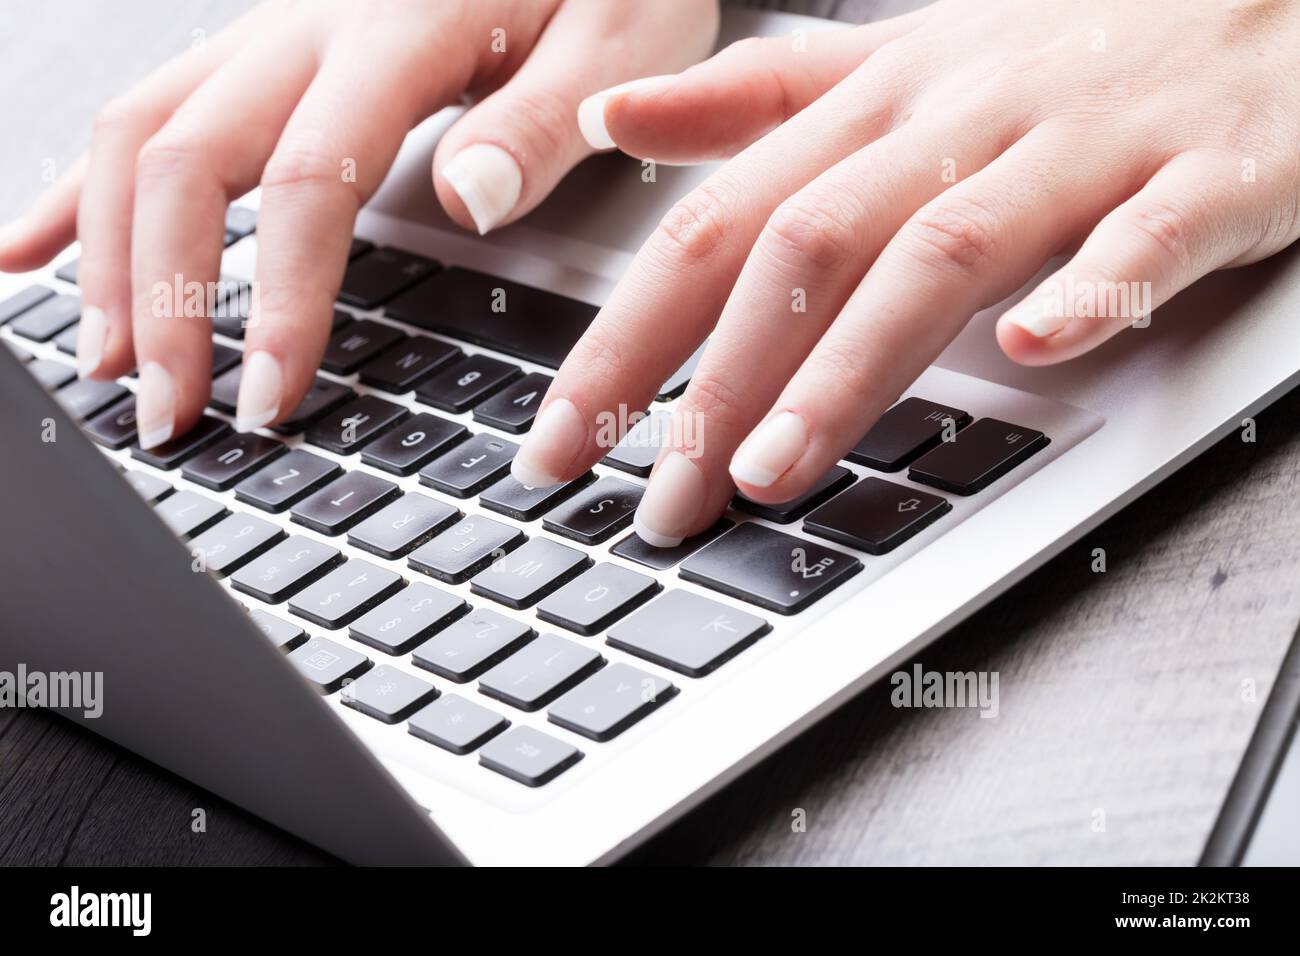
x=892, y=179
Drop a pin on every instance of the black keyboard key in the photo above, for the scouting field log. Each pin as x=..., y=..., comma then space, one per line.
x=293, y=563
x=115, y=427
x=467, y=382
x=230, y=305
x=340, y=318
x=769, y=568
x=906, y=432
x=345, y=593
x=234, y=541
x=979, y=456
x=66, y=341
x=402, y=366
x=354, y=345
x=678, y=381
x=188, y=512
x=328, y=665
x=224, y=358
x=322, y=398
x=596, y=513
x=206, y=431
x=528, y=756
x=286, y=480
x=20, y=302
x=465, y=548
x=241, y=221
x=597, y=598
x=876, y=516
x=687, y=633
x=51, y=374
x=523, y=502
x=826, y=487
x=225, y=390
x=529, y=573
x=456, y=724
x=610, y=701
x=513, y=408
x=470, y=467
x=361, y=420
x=414, y=443
x=232, y=459
x=634, y=547
x=410, y=616
x=343, y=502
x=403, y=525
x=48, y=318
x=87, y=397
x=506, y=316
x=378, y=275
x=285, y=635
x=639, y=448
x=538, y=673
x=359, y=247
x=68, y=271
x=472, y=645
x=148, y=486
x=388, y=694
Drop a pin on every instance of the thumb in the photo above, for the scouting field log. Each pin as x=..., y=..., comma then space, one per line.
x=714, y=110
x=506, y=154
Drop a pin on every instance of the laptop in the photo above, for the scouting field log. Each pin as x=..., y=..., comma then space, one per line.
x=358, y=628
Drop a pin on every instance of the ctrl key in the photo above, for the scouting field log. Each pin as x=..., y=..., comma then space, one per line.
x=328, y=665
x=529, y=756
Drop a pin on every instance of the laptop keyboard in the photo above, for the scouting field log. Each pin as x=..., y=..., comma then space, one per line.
x=424, y=613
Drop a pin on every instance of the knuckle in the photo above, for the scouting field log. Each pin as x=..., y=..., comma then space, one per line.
x=1163, y=224
x=600, y=356
x=746, y=50
x=119, y=113
x=842, y=369
x=714, y=400
x=696, y=228
x=809, y=234
x=294, y=167
x=166, y=154
x=550, y=121
x=953, y=234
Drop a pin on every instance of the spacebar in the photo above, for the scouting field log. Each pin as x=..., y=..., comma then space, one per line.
x=516, y=319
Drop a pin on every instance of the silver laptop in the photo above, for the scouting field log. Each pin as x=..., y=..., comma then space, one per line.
x=356, y=627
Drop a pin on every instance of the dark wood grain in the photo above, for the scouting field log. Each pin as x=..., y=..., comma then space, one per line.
x=1119, y=691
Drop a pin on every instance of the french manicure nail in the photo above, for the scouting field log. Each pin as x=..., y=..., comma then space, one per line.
x=591, y=111
x=261, y=386
x=488, y=181
x=155, y=405
x=671, y=502
x=92, y=333
x=1039, y=317
x=557, y=437
x=770, y=450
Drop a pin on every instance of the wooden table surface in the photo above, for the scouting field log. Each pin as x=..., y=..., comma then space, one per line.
x=1121, y=692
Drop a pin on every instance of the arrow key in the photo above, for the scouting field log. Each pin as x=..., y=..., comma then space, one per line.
x=875, y=515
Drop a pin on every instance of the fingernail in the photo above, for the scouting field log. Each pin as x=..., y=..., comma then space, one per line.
x=11, y=231
x=671, y=502
x=155, y=405
x=92, y=333
x=557, y=437
x=1040, y=317
x=260, y=387
x=488, y=181
x=770, y=450
x=591, y=111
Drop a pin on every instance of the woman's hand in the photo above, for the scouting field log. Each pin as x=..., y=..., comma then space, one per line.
x=312, y=100
x=890, y=181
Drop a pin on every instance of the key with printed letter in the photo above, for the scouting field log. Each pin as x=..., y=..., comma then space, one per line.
x=283, y=634
x=206, y=431
x=286, y=480
x=470, y=467
x=906, y=432
x=465, y=548
x=410, y=616
x=346, y=429
x=294, y=562
x=188, y=512
x=687, y=633
x=388, y=694
x=529, y=573
x=406, y=364
x=472, y=645
x=528, y=756
x=379, y=274
x=514, y=408
x=343, y=502
x=596, y=598
x=596, y=513
x=345, y=593
x=414, y=443
x=356, y=343
x=229, y=461
x=456, y=724
x=523, y=502
x=403, y=525
x=234, y=540
x=540, y=672
x=328, y=665
x=467, y=382
x=610, y=701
